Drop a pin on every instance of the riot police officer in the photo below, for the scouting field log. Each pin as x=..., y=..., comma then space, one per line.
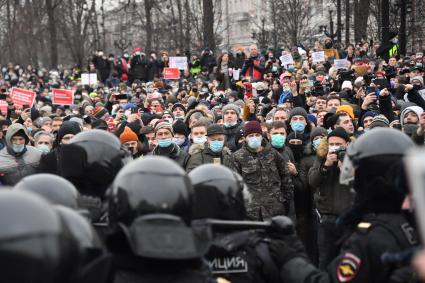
x=238, y=256
x=373, y=163
x=35, y=245
x=91, y=161
x=150, y=209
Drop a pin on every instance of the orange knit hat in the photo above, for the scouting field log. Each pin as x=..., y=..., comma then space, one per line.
x=128, y=135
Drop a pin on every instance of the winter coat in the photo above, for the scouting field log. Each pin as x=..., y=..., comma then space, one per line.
x=15, y=166
x=267, y=178
x=202, y=154
x=331, y=197
x=103, y=66
x=139, y=68
x=174, y=152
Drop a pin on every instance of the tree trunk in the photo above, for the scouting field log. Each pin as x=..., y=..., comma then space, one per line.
x=347, y=22
x=149, y=24
x=53, y=42
x=208, y=24
x=187, y=27
x=180, y=21
x=361, y=16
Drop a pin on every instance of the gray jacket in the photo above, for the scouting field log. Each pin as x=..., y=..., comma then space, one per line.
x=15, y=166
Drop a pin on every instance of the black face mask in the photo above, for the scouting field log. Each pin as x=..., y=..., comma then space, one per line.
x=416, y=87
x=328, y=45
x=297, y=150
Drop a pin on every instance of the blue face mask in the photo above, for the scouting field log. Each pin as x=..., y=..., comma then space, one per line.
x=29, y=130
x=229, y=125
x=216, y=146
x=298, y=126
x=164, y=143
x=316, y=143
x=199, y=140
x=43, y=148
x=179, y=141
x=254, y=142
x=18, y=148
x=278, y=141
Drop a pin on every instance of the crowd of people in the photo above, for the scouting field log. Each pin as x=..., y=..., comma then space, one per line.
x=256, y=139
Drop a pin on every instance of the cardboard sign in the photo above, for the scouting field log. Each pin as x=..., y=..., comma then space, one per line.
x=236, y=74
x=340, y=64
x=62, y=96
x=22, y=97
x=88, y=78
x=178, y=62
x=318, y=56
x=3, y=107
x=286, y=60
x=171, y=73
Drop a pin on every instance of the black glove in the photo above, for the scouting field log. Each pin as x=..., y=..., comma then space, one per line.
x=281, y=252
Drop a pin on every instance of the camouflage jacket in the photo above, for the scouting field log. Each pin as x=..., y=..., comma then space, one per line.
x=268, y=179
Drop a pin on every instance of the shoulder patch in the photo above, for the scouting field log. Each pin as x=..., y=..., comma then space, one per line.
x=348, y=267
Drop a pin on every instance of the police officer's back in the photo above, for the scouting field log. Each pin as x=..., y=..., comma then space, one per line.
x=238, y=256
x=374, y=162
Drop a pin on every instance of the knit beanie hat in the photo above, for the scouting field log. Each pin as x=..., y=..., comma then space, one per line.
x=341, y=133
x=298, y=111
x=179, y=105
x=312, y=118
x=318, y=131
x=379, y=121
x=415, y=109
x=180, y=127
x=99, y=112
x=252, y=127
x=418, y=78
x=368, y=114
x=164, y=125
x=68, y=127
x=233, y=107
x=347, y=109
x=128, y=135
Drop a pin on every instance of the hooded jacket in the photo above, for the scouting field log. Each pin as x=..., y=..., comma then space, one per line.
x=15, y=166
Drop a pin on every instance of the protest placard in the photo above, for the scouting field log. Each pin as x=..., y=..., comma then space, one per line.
x=340, y=64
x=236, y=74
x=3, y=107
x=62, y=96
x=286, y=60
x=22, y=97
x=178, y=62
x=171, y=73
x=318, y=56
x=88, y=78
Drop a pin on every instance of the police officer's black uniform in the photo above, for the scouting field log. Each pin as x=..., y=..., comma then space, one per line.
x=238, y=256
x=377, y=159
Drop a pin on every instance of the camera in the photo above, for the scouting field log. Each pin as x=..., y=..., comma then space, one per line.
x=340, y=153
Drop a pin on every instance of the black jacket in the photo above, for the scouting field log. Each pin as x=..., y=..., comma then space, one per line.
x=174, y=152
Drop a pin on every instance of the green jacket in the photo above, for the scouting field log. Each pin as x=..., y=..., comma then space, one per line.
x=202, y=154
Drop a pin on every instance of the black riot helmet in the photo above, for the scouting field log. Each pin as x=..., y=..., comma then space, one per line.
x=374, y=163
x=35, y=245
x=91, y=161
x=79, y=227
x=55, y=189
x=220, y=193
x=152, y=185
